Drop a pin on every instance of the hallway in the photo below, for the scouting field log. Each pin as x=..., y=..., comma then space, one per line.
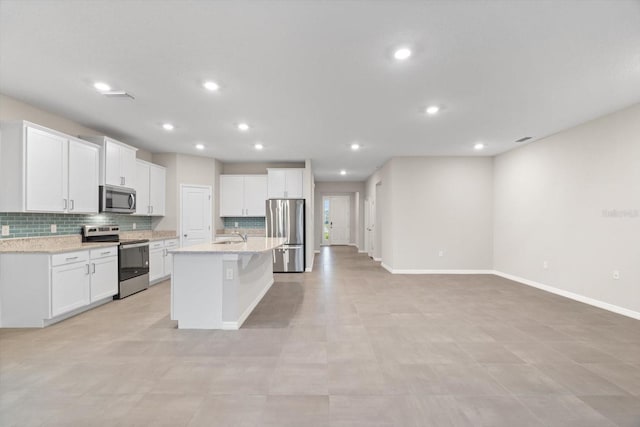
x=346, y=345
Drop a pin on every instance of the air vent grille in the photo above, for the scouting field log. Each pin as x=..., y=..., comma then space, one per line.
x=118, y=94
x=526, y=138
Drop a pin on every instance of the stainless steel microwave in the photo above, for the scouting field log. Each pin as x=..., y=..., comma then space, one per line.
x=117, y=199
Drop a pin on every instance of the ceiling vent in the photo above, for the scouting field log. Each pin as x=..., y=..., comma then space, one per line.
x=118, y=94
x=526, y=138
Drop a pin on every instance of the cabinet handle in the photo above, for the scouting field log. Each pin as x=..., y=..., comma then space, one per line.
x=122, y=181
x=71, y=258
x=65, y=204
x=73, y=204
x=105, y=253
x=87, y=268
x=93, y=266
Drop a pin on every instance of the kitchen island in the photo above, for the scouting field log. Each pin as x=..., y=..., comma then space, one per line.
x=217, y=285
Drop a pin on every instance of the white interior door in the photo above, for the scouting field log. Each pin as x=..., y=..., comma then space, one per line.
x=371, y=227
x=336, y=220
x=195, y=215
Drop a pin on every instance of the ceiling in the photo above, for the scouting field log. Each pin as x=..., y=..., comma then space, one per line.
x=311, y=77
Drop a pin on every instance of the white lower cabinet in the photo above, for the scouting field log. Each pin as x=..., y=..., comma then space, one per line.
x=69, y=287
x=104, y=278
x=160, y=265
x=37, y=289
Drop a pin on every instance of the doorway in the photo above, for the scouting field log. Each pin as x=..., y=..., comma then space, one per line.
x=195, y=214
x=336, y=218
x=369, y=225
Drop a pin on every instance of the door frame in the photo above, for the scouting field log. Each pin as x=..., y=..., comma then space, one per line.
x=204, y=187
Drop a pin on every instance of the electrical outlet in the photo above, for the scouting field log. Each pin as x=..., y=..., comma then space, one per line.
x=545, y=265
x=441, y=253
x=236, y=225
x=229, y=273
x=616, y=275
x=54, y=228
x=134, y=226
x=5, y=230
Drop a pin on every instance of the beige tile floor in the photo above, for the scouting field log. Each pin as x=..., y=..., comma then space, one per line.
x=346, y=345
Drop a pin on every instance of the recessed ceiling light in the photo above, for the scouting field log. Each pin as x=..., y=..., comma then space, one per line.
x=355, y=146
x=102, y=87
x=258, y=146
x=479, y=146
x=200, y=146
x=432, y=109
x=212, y=86
x=402, y=53
x=343, y=172
x=167, y=126
x=243, y=127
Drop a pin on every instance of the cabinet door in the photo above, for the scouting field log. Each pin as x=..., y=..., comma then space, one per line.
x=104, y=278
x=83, y=178
x=112, y=163
x=143, y=205
x=157, y=184
x=46, y=173
x=156, y=264
x=294, y=187
x=231, y=195
x=128, y=167
x=276, y=186
x=69, y=287
x=255, y=195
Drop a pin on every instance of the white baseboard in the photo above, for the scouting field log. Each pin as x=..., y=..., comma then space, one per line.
x=232, y=326
x=316, y=252
x=377, y=259
x=385, y=266
x=308, y=269
x=361, y=252
x=571, y=295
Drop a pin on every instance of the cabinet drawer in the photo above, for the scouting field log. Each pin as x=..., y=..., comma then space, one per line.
x=104, y=252
x=171, y=243
x=156, y=245
x=69, y=258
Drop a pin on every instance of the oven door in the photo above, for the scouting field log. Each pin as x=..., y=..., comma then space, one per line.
x=133, y=261
x=117, y=199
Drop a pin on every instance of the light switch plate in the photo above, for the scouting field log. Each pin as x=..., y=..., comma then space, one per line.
x=54, y=228
x=134, y=226
x=5, y=230
x=229, y=273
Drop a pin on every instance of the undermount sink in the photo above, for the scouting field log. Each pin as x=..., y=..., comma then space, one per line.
x=226, y=242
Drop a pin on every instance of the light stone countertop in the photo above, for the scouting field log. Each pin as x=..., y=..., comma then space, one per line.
x=50, y=245
x=252, y=246
x=73, y=242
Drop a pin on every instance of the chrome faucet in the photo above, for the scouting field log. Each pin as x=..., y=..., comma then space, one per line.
x=242, y=236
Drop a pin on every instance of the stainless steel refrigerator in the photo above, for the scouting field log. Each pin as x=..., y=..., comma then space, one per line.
x=285, y=218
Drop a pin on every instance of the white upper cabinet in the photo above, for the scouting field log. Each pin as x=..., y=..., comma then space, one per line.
x=157, y=189
x=286, y=183
x=150, y=189
x=255, y=195
x=117, y=162
x=243, y=195
x=46, y=171
x=42, y=170
x=83, y=177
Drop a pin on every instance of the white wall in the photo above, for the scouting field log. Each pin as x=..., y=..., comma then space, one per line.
x=355, y=191
x=309, y=196
x=441, y=204
x=12, y=109
x=550, y=199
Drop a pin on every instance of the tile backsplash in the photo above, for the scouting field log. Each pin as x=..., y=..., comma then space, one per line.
x=244, y=222
x=39, y=224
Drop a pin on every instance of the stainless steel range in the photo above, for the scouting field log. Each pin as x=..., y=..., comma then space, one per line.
x=133, y=257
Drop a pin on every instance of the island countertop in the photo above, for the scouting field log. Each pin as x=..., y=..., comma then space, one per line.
x=253, y=245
